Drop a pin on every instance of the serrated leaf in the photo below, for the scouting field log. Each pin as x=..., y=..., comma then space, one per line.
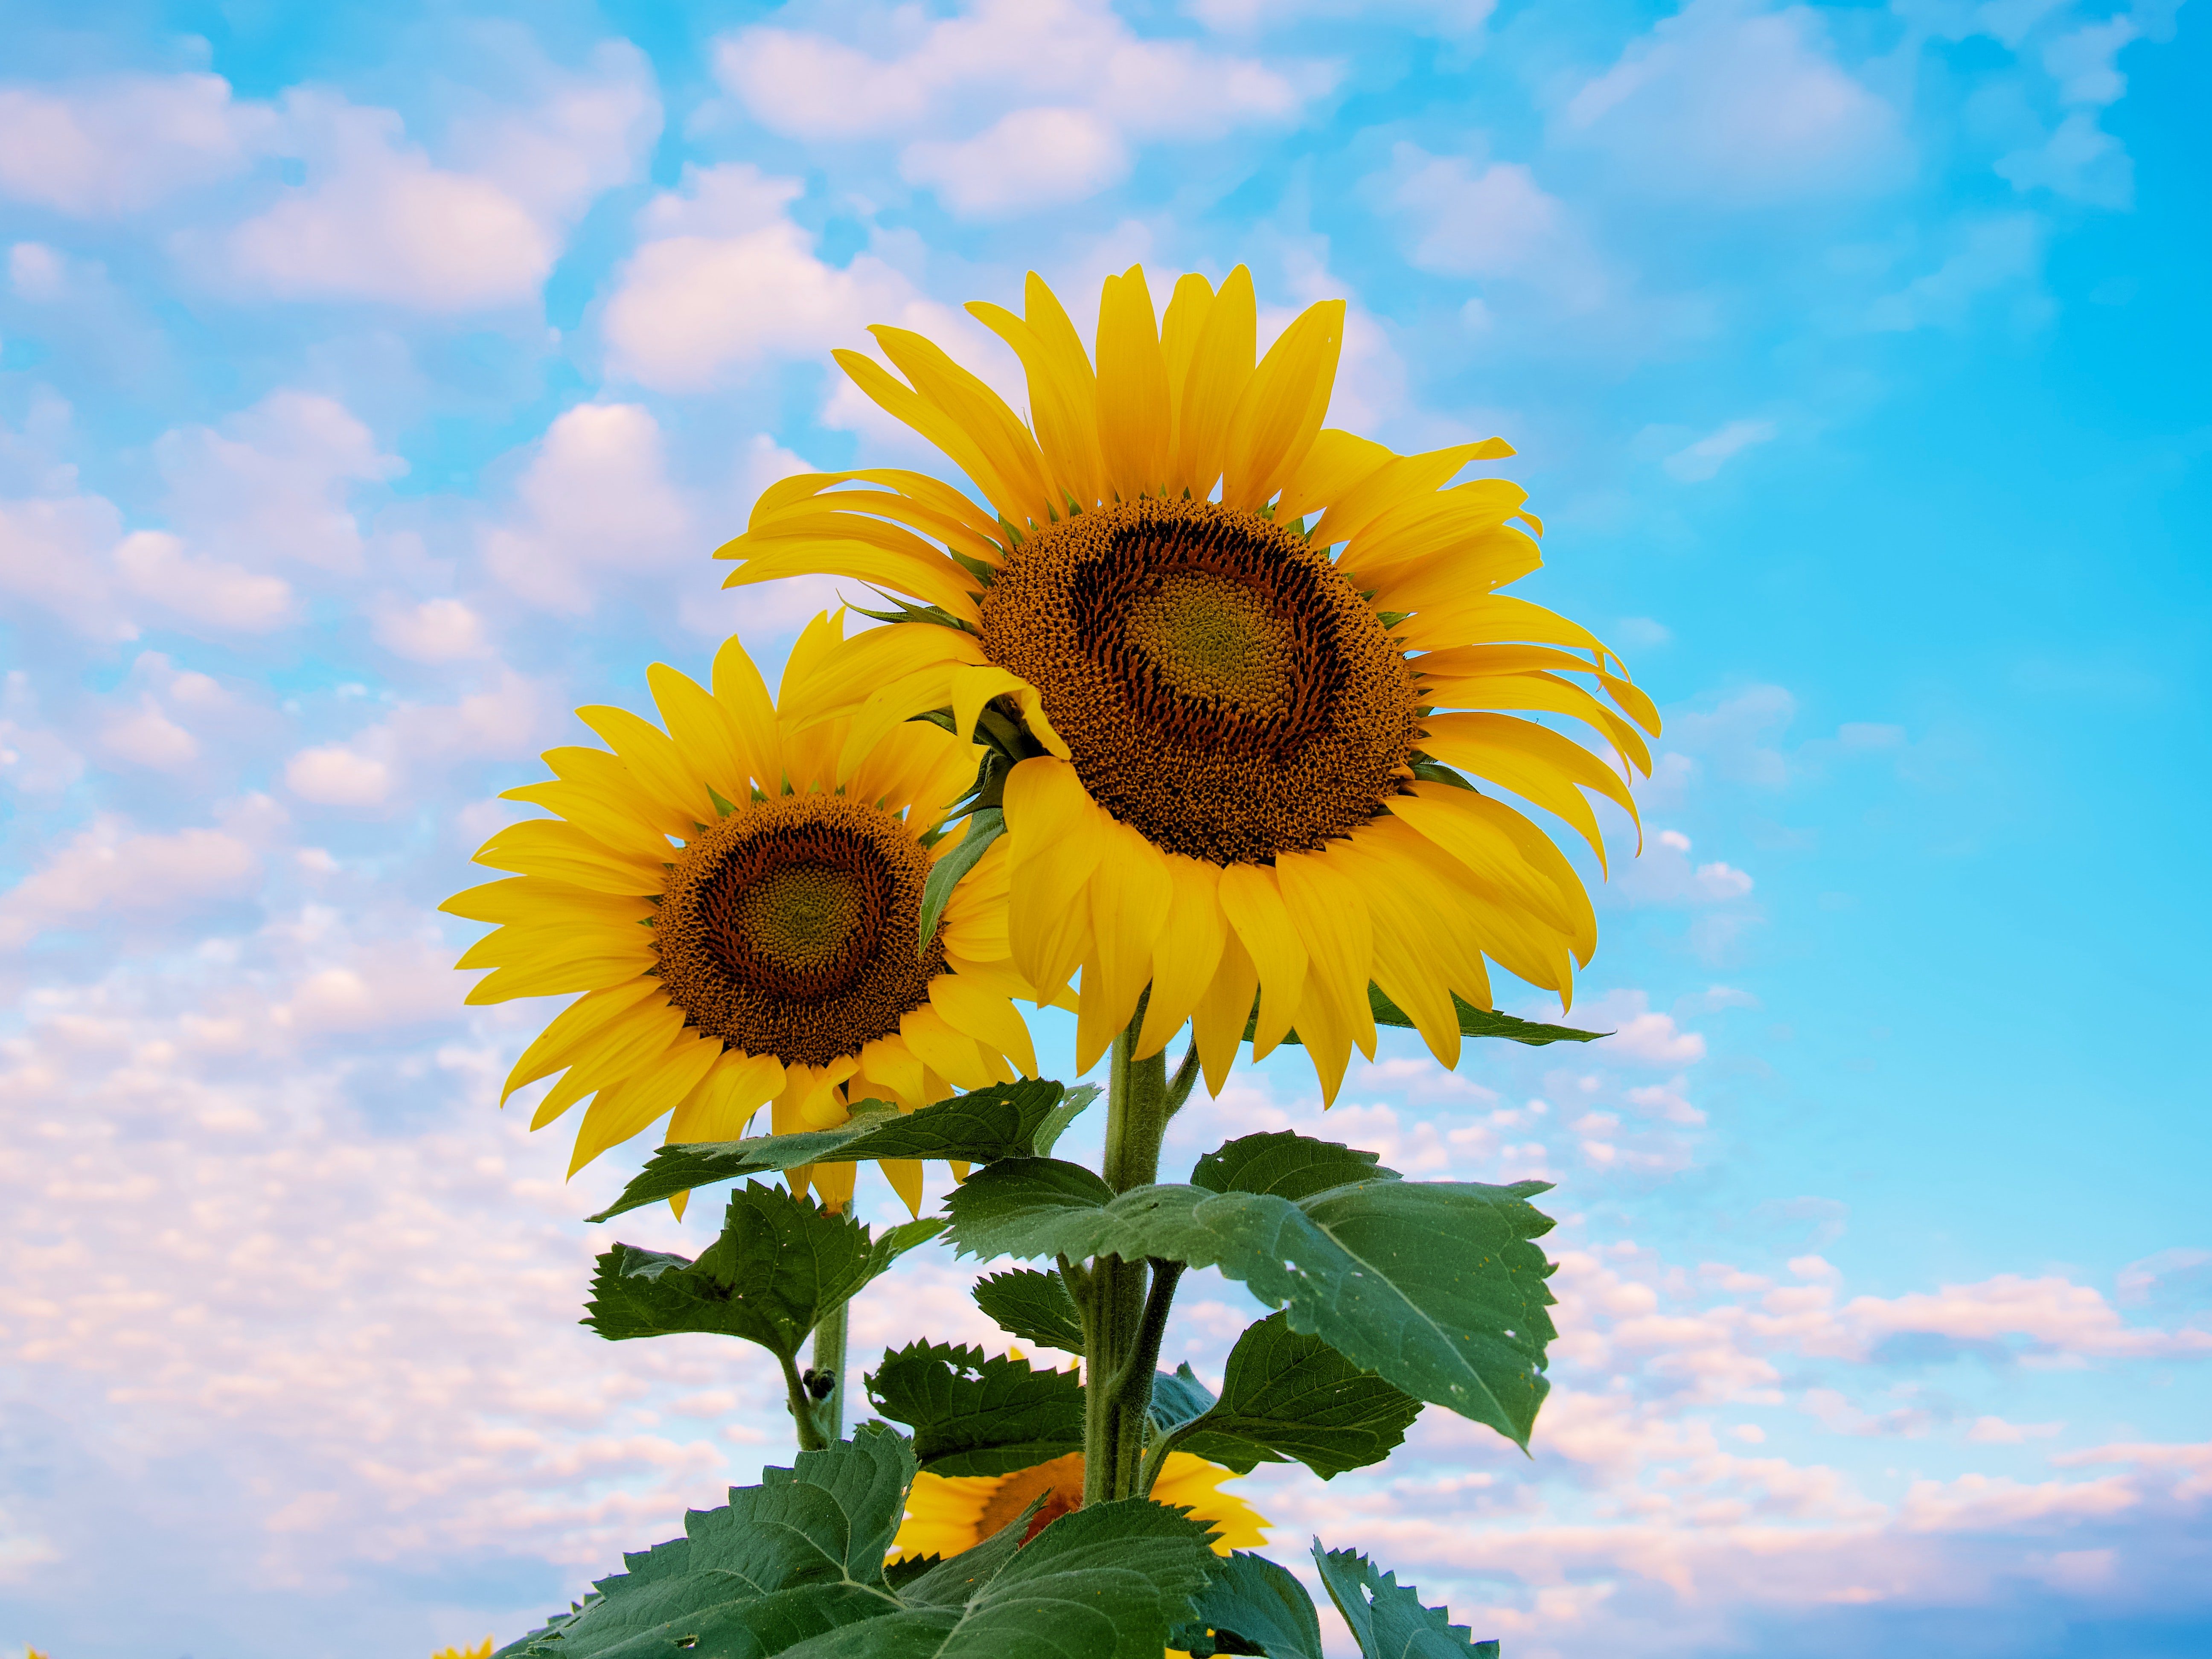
x=1472, y=1022
x=985, y=826
x=998, y=1122
x=1072, y=1106
x=1252, y=1606
x=780, y=1264
x=1033, y=1306
x=974, y=1415
x=1289, y=1395
x=1387, y=1618
x=1290, y=1165
x=1178, y=1397
x=793, y=1566
x=1435, y=1285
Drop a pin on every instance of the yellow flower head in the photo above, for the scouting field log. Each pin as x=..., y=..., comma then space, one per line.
x=947, y=1514
x=742, y=919
x=1258, y=662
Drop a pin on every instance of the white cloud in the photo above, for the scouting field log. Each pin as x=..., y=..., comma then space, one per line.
x=435, y=630
x=1491, y=221
x=2078, y=160
x=670, y=324
x=378, y=219
x=1727, y=103
x=37, y=272
x=332, y=775
x=1013, y=103
x=146, y=736
x=109, y=872
x=1696, y=463
x=1448, y=18
x=1998, y=252
x=595, y=502
x=396, y=758
x=156, y=566
x=124, y=143
x=53, y=554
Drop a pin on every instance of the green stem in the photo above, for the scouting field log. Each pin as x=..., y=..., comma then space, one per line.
x=829, y=1360
x=802, y=1406
x=1116, y=1315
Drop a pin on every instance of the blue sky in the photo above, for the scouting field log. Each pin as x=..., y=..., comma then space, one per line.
x=373, y=382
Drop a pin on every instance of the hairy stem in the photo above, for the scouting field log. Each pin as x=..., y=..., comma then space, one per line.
x=1132, y=1392
x=802, y=1407
x=1115, y=1314
x=828, y=1361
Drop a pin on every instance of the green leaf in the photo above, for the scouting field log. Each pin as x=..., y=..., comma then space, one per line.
x=984, y=826
x=1387, y=1618
x=1178, y=1397
x=1057, y=1120
x=1472, y=1022
x=971, y=1415
x=1436, y=1285
x=1288, y=1165
x=1253, y=1605
x=1289, y=1395
x=998, y=1122
x=780, y=1264
x=793, y=1566
x=1033, y=1306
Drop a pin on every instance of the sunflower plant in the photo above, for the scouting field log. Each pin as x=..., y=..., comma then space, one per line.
x=1198, y=715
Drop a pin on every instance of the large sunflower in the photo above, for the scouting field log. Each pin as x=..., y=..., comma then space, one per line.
x=1256, y=747
x=947, y=1514
x=743, y=921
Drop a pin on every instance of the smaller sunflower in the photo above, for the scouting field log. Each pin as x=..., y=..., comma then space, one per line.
x=947, y=1514
x=743, y=925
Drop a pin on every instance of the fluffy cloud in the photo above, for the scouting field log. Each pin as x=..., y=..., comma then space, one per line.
x=1994, y=255
x=123, y=143
x=1697, y=462
x=1727, y=103
x=410, y=747
x=594, y=501
x=435, y=630
x=1015, y=104
x=671, y=323
x=378, y=219
x=53, y=555
x=110, y=870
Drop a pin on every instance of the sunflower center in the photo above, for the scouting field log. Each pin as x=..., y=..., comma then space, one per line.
x=788, y=928
x=1222, y=689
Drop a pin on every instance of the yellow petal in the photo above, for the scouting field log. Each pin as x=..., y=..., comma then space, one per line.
x=651, y=756
x=1357, y=503
x=562, y=852
x=1547, y=694
x=1056, y=836
x=1337, y=461
x=573, y=1029
x=612, y=782
x=902, y=402
x=531, y=899
x=739, y=689
x=1071, y=366
x=1220, y=371
x=614, y=822
x=718, y=1108
x=952, y=1054
x=1533, y=761
x=622, y=1111
x=974, y=687
x=1254, y=905
x=1328, y=1038
x=848, y=675
x=979, y=1013
x=978, y=411
x=1217, y=1024
x=1282, y=408
x=705, y=731
x=1179, y=326
x=1186, y=953
x=934, y=580
x=1407, y=965
x=888, y=708
x=1063, y=408
x=1130, y=891
x=625, y=1046
x=1330, y=913
x=1497, y=616
x=905, y=1176
x=1132, y=388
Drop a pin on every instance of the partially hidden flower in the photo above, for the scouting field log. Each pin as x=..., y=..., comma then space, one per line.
x=947, y=1514
x=482, y=1651
x=1265, y=684
x=742, y=918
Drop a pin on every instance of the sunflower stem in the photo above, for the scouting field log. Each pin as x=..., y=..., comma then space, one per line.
x=802, y=1407
x=1115, y=1322
x=829, y=1364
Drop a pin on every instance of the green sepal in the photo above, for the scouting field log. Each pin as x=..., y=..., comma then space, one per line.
x=973, y=1415
x=780, y=1264
x=1436, y=772
x=1387, y=1618
x=1033, y=1306
x=1288, y=1394
x=905, y=611
x=1252, y=1606
x=984, y=826
x=1178, y=1398
x=998, y=1122
x=1435, y=1285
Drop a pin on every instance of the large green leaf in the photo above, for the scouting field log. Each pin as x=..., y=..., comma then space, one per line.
x=780, y=1264
x=1289, y=1395
x=973, y=1415
x=1252, y=1606
x=1289, y=1165
x=795, y=1566
x=1034, y=1306
x=1472, y=1022
x=1387, y=1618
x=1435, y=1285
x=1003, y=1121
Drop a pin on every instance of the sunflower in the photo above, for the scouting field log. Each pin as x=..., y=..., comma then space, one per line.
x=947, y=1514
x=1256, y=749
x=482, y=1651
x=743, y=921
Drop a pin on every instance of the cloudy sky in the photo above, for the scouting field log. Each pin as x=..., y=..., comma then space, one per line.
x=374, y=383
